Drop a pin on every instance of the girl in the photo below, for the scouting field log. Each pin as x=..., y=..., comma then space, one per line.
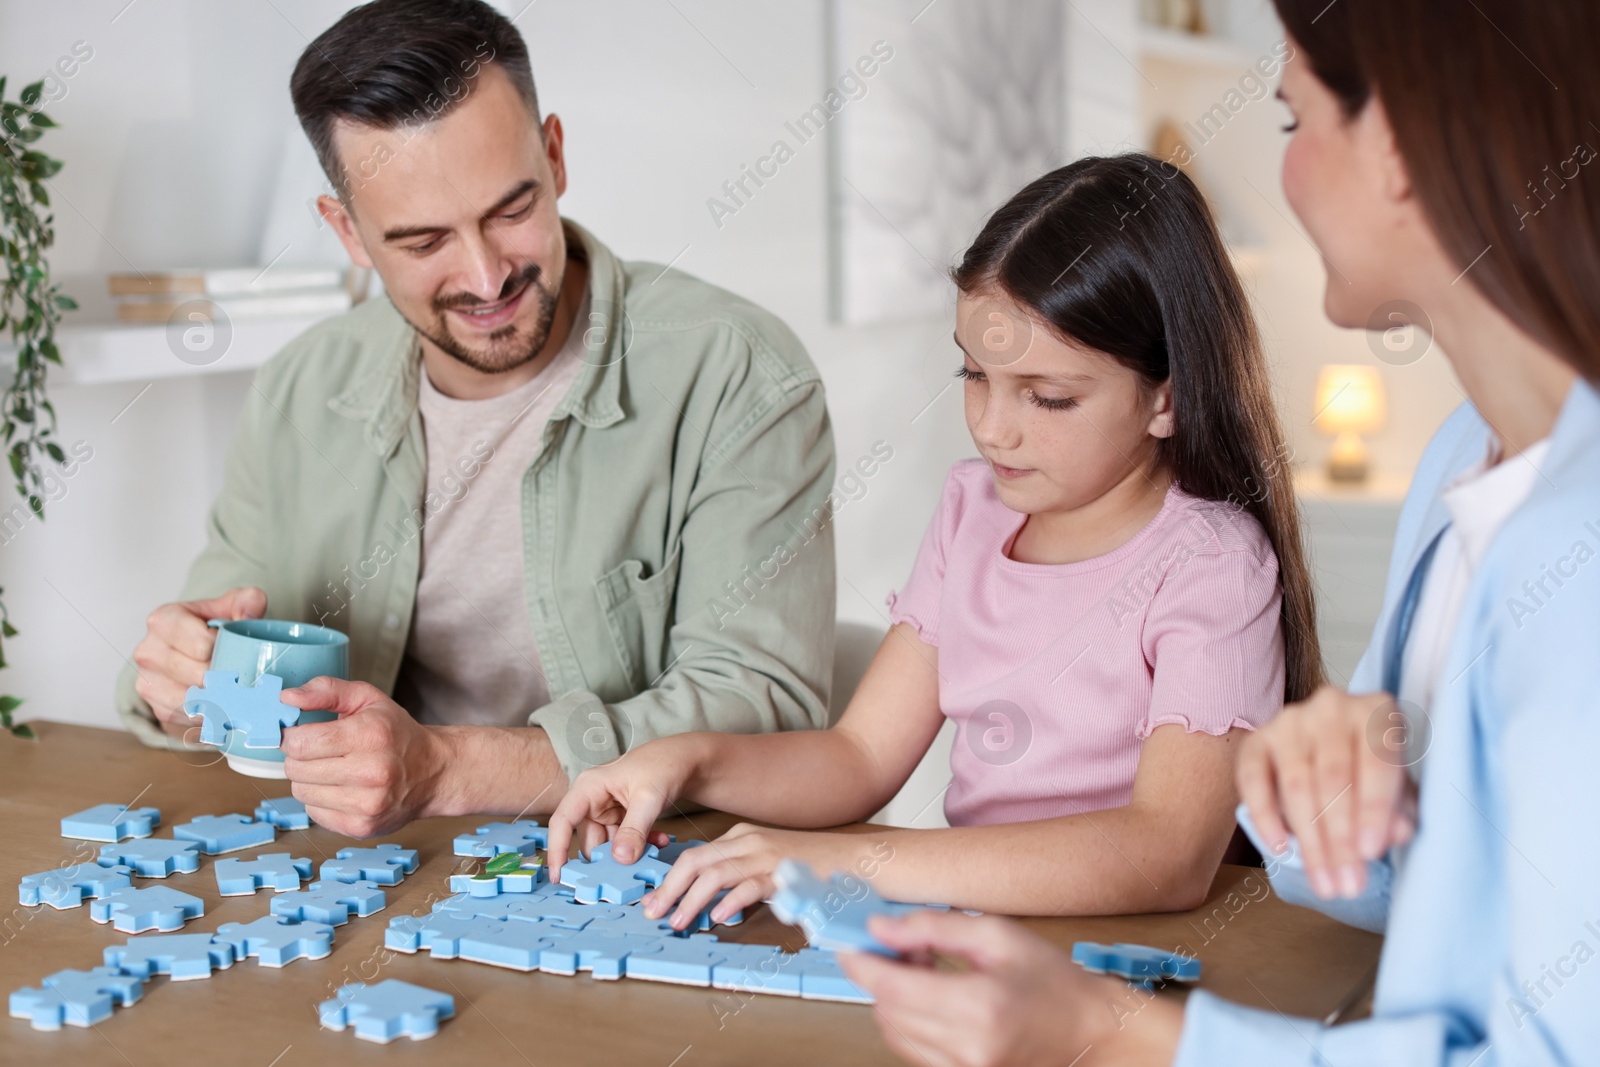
x=1105, y=602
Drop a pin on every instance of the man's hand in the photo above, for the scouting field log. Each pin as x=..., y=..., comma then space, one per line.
x=1332, y=771
x=176, y=650
x=370, y=771
x=1020, y=1000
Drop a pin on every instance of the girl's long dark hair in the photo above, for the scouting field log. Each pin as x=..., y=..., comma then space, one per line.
x=1120, y=254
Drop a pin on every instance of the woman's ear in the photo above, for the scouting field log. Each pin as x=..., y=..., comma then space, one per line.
x=1378, y=135
x=1161, y=420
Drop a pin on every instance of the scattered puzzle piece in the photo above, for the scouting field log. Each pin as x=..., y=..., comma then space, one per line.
x=330, y=902
x=153, y=858
x=225, y=833
x=386, y=865
x=832, y=912
x=182, y=956
x=111, y=822
x=387, y=1010
x=77, y=998
x=276, y=940
x=286, y=813
x=524, y=836
x=603, y=878
x=253, y=711
x=65, y=887
x=1137, y=963
x=156, y=907
x=275, y=870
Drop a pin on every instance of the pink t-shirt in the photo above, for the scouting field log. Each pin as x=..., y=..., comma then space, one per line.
x=1055, y=674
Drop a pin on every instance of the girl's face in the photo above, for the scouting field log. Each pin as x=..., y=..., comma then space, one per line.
x=1060, y=425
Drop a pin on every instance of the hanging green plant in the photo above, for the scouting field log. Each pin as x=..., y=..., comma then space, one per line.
x=30, y=308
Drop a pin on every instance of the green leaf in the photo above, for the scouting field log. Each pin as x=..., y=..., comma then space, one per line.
x=9, y=704
x=55, y=452
x=65, y=302
x=24, y=731
x=31, y=94
x=41, y=119
x=7, y=630
x=505, y=863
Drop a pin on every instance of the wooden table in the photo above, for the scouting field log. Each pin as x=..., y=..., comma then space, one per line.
x=1255, y=948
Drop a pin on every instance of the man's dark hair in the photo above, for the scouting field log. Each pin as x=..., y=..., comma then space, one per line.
x=401, y=63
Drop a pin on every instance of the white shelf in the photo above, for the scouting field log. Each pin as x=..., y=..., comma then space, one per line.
x=104, y=353
x=1158, y=42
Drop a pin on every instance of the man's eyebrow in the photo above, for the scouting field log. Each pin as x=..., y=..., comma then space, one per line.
x=1031, y=377
x=521, y=189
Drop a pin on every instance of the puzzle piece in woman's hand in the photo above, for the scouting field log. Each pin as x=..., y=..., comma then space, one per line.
x=386, y=865
x=275, y=940
x=79, y=998
x=156, y=907
x=253, y=711
x=275, y=870
x=65, y=887
x=111, y=822
x=833, y=912
x=602, y=878
x=387, y=1010
x=153, y=858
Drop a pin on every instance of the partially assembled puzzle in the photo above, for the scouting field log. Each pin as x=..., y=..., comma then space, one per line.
x=508, y=915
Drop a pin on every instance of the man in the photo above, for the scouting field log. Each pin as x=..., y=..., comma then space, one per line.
x=541, y=489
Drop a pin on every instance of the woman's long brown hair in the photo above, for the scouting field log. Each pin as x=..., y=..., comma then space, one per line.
x=1120, y=254
x=1494, y=107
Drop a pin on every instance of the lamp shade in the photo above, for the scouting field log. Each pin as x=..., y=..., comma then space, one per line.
x=1350, y=399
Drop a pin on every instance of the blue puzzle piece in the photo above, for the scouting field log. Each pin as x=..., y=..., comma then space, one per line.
x=111, y=822
x=330, y=902
x=833, y=912
x=183, y=956
x=65, y=887
x=77, y=998
x=603, y=954
x=670, y=852
x=758, y=969
x=545, y=904
x=387, y=1010
x=603, y=878
x=225, y=833
x=525, y=836
x=822, y=979
x=275, y=940
x=153, y=858
x=254, y=711
x=286, y=813
x=156, y=907
x=1137, y=963
x=386, y=865
x=275, y=870
x=516, y=945
x=682, y=961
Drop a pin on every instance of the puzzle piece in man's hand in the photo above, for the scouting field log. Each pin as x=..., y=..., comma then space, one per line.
x=330, y=902
x=155, y=858
x=65, y=887
x=524, y=836
x=286, y=813
x=225, y=833
x=833, y=912
x=516, y=945
x=603, y=878
x=275, y=870
x=253, y=711
x=1136, y=963
x=385, y=865
x=183, y=956
x=387, y=1010
x=111, y=822
x=78, y=998
x=275, y=940
x=156, y=907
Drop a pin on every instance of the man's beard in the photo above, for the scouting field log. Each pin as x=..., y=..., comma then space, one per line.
x=499, y=357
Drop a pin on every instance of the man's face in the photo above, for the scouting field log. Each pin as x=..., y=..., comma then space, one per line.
x=458, y=217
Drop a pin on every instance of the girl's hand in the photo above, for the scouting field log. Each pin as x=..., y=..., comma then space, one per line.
x=1332, y=771
x=620, y=801
x=742, y=861
x=1021, y=1000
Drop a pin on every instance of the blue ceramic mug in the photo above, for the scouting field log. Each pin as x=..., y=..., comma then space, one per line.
x=294, y=651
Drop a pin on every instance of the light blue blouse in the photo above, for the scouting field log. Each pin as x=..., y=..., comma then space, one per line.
x=1492, y=949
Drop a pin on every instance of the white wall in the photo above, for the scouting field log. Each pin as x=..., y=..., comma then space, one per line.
x=172, y=131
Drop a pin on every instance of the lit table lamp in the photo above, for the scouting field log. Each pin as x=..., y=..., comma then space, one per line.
x=1349, y=404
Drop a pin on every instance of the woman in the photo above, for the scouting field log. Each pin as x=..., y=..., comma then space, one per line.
x=1419, y=179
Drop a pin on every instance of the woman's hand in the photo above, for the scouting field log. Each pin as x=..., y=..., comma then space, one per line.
x=1021, y=1000
x=620, y=801
x=1332, y=771
x=741, y=861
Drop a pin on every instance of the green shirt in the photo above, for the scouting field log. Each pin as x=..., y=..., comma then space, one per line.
x=677, y=538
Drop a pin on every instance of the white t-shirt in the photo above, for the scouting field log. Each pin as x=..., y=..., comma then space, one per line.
x=471, y=657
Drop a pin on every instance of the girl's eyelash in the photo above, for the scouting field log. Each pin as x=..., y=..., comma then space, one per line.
x=968, y=375
x=1291, y=127
x=1051, y=403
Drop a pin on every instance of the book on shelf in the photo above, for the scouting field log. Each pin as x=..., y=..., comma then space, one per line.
x=238, y=308
x=227, y=281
